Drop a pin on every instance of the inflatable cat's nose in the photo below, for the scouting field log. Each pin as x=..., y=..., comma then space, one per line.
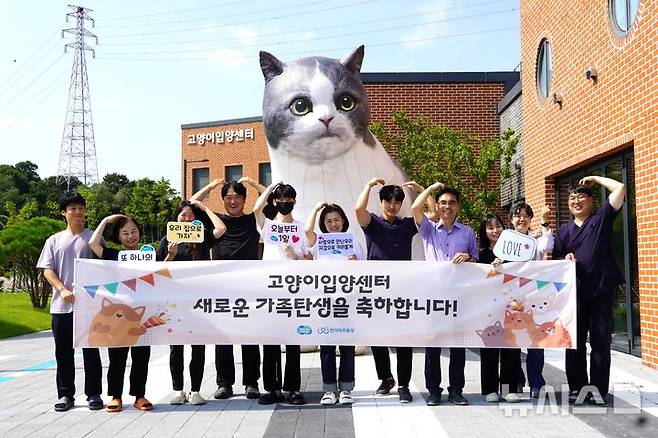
x=326, y=120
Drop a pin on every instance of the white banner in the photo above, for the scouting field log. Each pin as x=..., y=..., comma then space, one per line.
x=395, y=303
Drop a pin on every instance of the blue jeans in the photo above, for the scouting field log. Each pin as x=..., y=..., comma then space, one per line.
x=534, y=364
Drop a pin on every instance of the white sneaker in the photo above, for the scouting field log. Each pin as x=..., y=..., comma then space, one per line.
x=196, y=399
x=512, y=398
x=179, y=398
x=345, y=398
x=329, y=398
x=492, y=397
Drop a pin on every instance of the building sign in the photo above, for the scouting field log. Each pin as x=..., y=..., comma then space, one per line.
x=218, y=137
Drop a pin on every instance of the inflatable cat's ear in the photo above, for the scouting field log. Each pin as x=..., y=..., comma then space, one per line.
x=354, y=60
x=270, y=66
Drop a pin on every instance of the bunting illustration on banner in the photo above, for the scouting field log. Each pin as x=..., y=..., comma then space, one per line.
x=131, y=283
x=524, y=280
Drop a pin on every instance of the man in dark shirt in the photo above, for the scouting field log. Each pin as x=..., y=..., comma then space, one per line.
x=587, y=240
x=388, y=238
x=240, y=242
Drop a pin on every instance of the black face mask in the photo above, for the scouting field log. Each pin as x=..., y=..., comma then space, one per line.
x=285, y=207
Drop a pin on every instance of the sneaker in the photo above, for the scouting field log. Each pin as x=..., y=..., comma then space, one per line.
x=95, y=402
x=534, y=392
x=329, y=398
x=197, y=399
x=512, y=398
x=573, y=397
x=458, y=398
x=297, y=398
x=434, y=399
x=345, y=398
x=404, y=394
x=179, y=398
x=223, y=392
x=64, y=404
x=386, y=386
x=251, y=392
x=492, y=397
x=270, y=398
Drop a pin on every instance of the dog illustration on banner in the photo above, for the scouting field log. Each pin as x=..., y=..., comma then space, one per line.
x=316, y=115
x=119, y=325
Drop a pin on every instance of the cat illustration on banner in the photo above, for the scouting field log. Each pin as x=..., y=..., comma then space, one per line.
x=493, y=335
x=316, y=115
x=119, y=325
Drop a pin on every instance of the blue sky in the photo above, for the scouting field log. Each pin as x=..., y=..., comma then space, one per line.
x=160, y=64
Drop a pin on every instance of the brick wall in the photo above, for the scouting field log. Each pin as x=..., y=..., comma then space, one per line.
x=596, y=119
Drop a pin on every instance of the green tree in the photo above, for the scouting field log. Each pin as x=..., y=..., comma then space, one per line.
x=20, y=247
x=16, y=215
x=429, y=153
x=99, y=202
x=152, y=203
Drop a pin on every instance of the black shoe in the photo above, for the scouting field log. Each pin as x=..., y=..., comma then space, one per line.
x=95, y=403
x=534, y=392
x=269, y=398
x=404, y=394
x=573, y=397
x=386, y=386
x=434, y=399
x=296, y=398
x=457, y=398
x=591, y=400
x=223, y=392
x=251, y=392
x=64, y=404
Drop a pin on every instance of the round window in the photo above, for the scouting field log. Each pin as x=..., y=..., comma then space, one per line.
x=544, y=69
x=622, y=15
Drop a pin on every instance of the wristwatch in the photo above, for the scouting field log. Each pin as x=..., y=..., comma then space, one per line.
x=545, y=224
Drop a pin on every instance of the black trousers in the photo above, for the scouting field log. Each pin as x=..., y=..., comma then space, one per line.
x=455, y=369
x=507, y=360
x=272, y=368
x=345, y=369
x=197, y=363
x=139, y=369
x=594, y=316
x=62, y=325
x=225, y=365
x=405, y=357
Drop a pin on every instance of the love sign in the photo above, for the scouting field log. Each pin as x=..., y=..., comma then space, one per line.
x=515, y=247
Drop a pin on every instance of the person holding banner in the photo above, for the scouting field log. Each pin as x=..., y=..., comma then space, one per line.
x=587, y=240
x=334, y=220
x=125, y=232
x=189, y=211
x=447, y=240
x=284, y=239
x=56, y=260
x=521, y=215
x=508, y=360
x=388, y=237
x=240, y=242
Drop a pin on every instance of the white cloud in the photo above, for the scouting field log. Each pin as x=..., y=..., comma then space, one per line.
x=422, y=34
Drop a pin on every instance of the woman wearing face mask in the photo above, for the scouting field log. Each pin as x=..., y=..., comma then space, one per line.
x=521, y=215
x=171, y=251
x=498, y=366
x=334, y=220
x=283, y=200
x=125, y=232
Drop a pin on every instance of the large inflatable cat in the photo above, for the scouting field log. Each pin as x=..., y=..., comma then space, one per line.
x=316, y=115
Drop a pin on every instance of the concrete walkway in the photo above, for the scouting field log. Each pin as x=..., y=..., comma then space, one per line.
x=27, y=394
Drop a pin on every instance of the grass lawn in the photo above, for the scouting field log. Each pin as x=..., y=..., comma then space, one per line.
x=18, y=317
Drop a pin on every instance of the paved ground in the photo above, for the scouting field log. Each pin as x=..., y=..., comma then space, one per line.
x=27, y=393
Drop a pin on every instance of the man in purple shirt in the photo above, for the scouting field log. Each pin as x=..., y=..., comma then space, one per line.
x=587, y=240
x=388, y=238
x=445, y=240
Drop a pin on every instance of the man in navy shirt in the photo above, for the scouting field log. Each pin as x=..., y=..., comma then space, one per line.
x=587, y=240
x=388, y=238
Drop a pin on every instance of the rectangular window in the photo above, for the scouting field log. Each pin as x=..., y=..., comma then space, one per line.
x=200, y=178
x=233, y=173
x=265, y=174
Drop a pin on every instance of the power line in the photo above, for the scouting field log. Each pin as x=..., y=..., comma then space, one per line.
x=311, y=29
x=386, y=29
x=180, y=11
x=26, y=87
x=277, y=17
x=15, y=76
x=304, y=52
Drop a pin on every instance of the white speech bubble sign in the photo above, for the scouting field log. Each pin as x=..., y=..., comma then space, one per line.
x=513, y=246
